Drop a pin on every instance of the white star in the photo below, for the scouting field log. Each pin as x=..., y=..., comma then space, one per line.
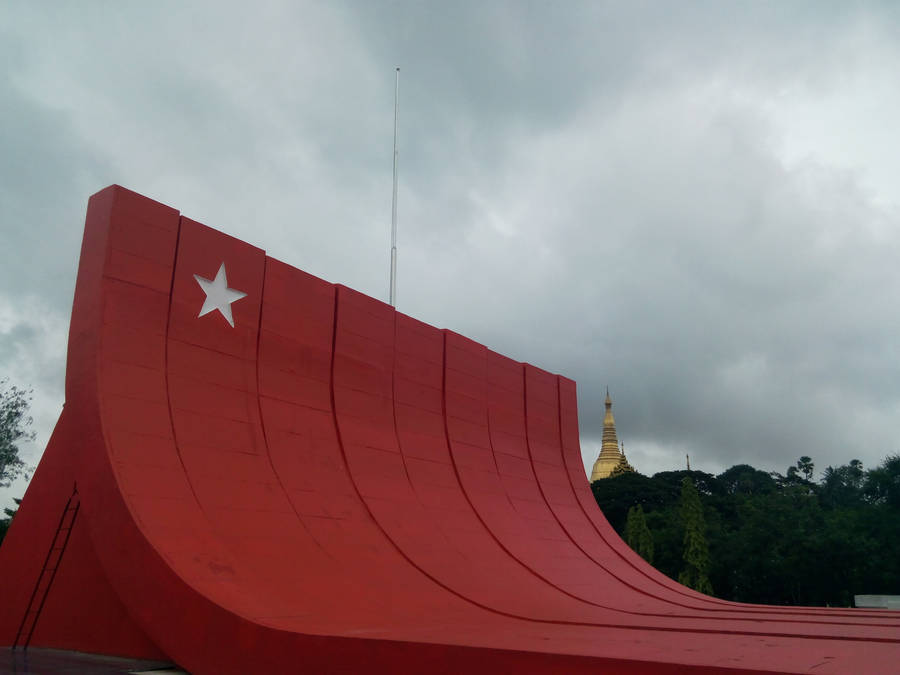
x=218, y=295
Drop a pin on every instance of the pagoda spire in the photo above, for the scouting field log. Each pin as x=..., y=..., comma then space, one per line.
x=610, y=456
x=610, y=440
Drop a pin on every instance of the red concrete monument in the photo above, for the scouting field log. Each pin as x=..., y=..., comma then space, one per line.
x=259, y=471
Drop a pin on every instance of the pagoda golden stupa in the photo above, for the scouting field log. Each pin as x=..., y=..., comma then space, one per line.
x=611, y=461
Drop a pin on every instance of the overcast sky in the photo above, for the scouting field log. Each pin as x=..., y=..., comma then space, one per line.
x=696, y=204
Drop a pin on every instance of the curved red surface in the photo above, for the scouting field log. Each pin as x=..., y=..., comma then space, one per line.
x=328, y=486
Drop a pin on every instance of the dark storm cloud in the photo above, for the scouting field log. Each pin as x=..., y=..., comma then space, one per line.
x=735, y=312
x=654, y=241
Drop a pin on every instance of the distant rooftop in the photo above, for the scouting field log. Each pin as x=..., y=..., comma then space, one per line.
x=877, y=601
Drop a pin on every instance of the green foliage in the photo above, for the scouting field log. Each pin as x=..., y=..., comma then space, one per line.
x=805, y=466
x=694, y=574
x=745, y=480
x=843, y=486
x=705, y=483
x=883, y=483
x=637, y=534
x=14, y=423
x=6, y=522
x=772, y=538
x=615, y=495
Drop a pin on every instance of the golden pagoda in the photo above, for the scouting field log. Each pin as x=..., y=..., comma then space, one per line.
x=611, y=461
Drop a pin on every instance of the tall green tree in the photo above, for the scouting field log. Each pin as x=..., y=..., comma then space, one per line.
x=695, y=573
x=14, y=423
x=637, y=534
x=806, y=467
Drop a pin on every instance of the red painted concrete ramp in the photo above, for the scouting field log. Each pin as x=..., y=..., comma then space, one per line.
x=257, y=471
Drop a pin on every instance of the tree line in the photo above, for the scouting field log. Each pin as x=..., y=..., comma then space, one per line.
x=765, y=537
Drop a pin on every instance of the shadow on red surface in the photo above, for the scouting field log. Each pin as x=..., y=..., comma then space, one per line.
x=40, y=661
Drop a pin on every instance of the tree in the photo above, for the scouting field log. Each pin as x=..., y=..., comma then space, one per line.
x=842, y=486
x=14, y=423
x=695, y=573
x=806, y=466
x=793, y=481
x=882, y=484
x=704, y=483
x=744, y=479
x=637, y=534
x=6, y=522
x=614, y=496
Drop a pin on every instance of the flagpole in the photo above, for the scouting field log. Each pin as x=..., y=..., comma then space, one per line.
x=394, y=200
